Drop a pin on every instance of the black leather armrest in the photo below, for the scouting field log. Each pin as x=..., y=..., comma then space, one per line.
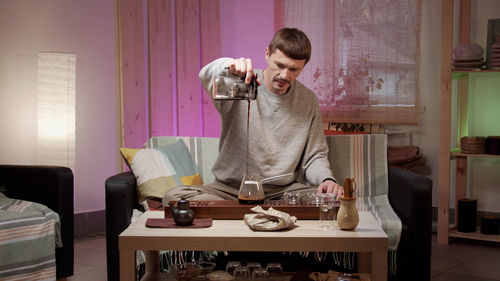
x=410, y=196
x=121, y=199
x=53, y=187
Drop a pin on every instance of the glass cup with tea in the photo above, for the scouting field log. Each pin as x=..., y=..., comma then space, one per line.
x=251, y=190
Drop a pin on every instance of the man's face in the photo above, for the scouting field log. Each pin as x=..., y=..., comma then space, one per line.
x=281, y=71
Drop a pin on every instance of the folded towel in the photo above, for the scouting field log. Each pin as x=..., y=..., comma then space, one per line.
x=269, y=220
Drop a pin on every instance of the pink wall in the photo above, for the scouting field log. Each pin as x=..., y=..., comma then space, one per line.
x=247, y=27
x=175, y=103
x=87, y=29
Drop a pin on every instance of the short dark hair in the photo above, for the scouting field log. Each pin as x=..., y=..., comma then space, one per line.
x=292, y=42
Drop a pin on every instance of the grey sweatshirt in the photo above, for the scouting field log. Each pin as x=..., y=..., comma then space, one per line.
x=285, y=134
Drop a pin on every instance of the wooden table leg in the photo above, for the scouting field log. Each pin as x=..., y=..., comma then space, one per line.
x=364, y=262
x=374, y=263
x=379, y=266
x=152, y=261
x=128, y=270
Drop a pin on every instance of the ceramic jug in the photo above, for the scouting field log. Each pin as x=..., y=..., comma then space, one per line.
x=347, y=216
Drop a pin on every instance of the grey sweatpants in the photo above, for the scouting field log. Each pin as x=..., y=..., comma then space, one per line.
x=220, y=191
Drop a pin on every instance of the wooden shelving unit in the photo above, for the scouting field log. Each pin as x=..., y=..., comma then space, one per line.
x=445, y=153
x=460, y=154
x=473, y=235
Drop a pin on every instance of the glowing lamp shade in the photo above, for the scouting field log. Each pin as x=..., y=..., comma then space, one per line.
x=56, y=109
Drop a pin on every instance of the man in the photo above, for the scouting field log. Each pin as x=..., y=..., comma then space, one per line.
x=285, y=135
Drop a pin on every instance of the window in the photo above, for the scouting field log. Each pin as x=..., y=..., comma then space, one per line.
x=364, y=66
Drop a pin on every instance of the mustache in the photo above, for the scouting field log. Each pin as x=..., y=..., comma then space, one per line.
x=277, y=79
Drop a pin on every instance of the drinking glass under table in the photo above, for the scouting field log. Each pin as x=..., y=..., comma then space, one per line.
x=368, y=239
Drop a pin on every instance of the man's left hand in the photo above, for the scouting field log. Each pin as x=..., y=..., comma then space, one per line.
x=330, y=186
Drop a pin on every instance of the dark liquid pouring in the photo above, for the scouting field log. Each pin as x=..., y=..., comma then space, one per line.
x=241, y=198
x=248, y=133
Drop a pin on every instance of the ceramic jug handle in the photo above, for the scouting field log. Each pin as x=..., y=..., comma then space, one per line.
x=355, y=186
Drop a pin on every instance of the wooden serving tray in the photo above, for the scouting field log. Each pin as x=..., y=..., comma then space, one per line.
x=232, y=209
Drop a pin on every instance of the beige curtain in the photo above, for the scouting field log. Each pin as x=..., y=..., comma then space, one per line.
x=364, y=66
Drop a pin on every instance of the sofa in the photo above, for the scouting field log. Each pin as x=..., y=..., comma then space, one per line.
x=50, y=186
x=409, y=196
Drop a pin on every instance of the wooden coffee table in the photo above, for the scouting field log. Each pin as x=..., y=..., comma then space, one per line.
x=368, y=239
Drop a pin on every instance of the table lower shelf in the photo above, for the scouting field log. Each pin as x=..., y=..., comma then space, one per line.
x=284, y=277
x=474, y=235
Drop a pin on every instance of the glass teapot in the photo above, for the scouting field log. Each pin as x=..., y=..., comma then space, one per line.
x=231, y=87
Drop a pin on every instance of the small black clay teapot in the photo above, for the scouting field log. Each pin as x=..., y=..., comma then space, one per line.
x=183, y=215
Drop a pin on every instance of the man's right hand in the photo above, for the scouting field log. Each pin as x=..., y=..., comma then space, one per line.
x=243, y=67
x=329, y=186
